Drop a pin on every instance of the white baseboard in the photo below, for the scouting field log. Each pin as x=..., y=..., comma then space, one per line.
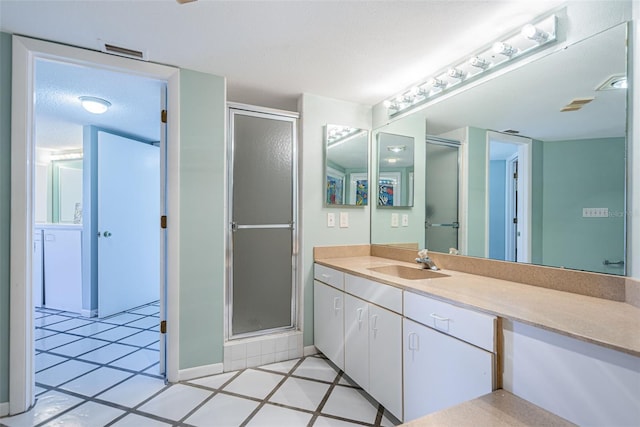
x=199, y=371
x=89, y=313
x=310, y=350
x=4, y=409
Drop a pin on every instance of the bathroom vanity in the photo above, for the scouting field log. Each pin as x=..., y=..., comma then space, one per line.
x=423, y=344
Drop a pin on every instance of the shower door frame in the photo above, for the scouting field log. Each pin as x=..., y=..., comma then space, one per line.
x=268, y=113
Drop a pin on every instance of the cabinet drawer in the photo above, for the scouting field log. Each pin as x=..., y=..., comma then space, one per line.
x=329, y=276
x=380, y=294
x=467, y=325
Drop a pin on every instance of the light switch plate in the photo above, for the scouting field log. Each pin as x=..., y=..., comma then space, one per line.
x=331, y=219
x=405, y=220
x=344, y=219
x=394, y=219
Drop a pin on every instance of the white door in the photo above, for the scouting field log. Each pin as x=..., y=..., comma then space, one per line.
x=356, y=340
x=128, y=223
x=385, y=358
x=328, y=322
x=441, y=371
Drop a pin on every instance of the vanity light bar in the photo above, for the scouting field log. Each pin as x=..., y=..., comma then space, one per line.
x=337, y=135
x=532, y=37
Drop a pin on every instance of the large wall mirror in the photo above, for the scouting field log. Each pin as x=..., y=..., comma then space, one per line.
x=346, y=166
x=542, y=161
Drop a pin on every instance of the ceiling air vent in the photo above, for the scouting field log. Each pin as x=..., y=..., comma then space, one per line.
x=113, y=49
x=576, y=104
x=511, y=131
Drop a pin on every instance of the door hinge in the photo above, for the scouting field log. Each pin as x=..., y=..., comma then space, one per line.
x=515, y=220
x=515, y=175
x=163, y=327
x=163, y=116
x=163, y=221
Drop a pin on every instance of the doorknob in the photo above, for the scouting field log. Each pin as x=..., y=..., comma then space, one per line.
x=107, y=234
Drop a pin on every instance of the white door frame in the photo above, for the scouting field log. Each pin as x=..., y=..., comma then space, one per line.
x=524, y=190
x=21, y=339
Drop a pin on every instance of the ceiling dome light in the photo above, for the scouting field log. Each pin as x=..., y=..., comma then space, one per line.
x=532, y=33
x=94, y=105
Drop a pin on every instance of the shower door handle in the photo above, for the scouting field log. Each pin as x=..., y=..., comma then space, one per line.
x=235, y=226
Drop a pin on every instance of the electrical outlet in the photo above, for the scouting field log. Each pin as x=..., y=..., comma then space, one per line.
x=331, y=219
x=344, y=219
x=595, y=212
x=394, y=219
x=405, y=220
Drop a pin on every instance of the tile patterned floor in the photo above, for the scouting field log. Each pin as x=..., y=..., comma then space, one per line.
x=105, y=373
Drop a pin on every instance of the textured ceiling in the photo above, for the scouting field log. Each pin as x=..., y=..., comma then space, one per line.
x=272, y=51
x=135, y=104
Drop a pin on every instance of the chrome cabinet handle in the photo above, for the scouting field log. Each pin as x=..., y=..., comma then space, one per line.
x=413, y=341
x=442, y=319
x=107, y=234
x=374, y=325
x=336, y=303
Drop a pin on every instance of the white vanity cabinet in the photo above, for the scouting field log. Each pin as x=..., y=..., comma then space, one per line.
x=373, y=351
x=585, y=383
x=63, y=268
x=328, y=314
x=441, y=367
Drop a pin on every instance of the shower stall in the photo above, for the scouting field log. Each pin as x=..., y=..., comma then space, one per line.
x=262, y=232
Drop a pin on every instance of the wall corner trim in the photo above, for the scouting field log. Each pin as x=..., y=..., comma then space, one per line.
x=310, y=350
x=200, y=371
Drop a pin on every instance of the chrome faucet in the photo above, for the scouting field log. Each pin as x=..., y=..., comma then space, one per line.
x=423, y=258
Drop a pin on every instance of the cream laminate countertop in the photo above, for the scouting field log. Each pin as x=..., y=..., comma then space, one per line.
x=615, y=325
x=497, y=409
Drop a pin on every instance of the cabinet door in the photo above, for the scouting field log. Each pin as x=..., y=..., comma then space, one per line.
x=328, y=322
x=441, y=371
x=63, y=270
x=385, y=358
x=356, y=340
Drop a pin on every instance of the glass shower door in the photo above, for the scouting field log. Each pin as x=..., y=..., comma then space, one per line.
x=262, y=223
x=441, y=194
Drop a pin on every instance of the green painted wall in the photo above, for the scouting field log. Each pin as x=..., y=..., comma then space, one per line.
x=316, y=112
x=202, y=212
x=5, y=211
x=537, y=201
x=202, y=159
x=381, y=230
x=583, y=174
x=477, y=174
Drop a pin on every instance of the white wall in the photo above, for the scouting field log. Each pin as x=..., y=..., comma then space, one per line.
x=316, y=112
